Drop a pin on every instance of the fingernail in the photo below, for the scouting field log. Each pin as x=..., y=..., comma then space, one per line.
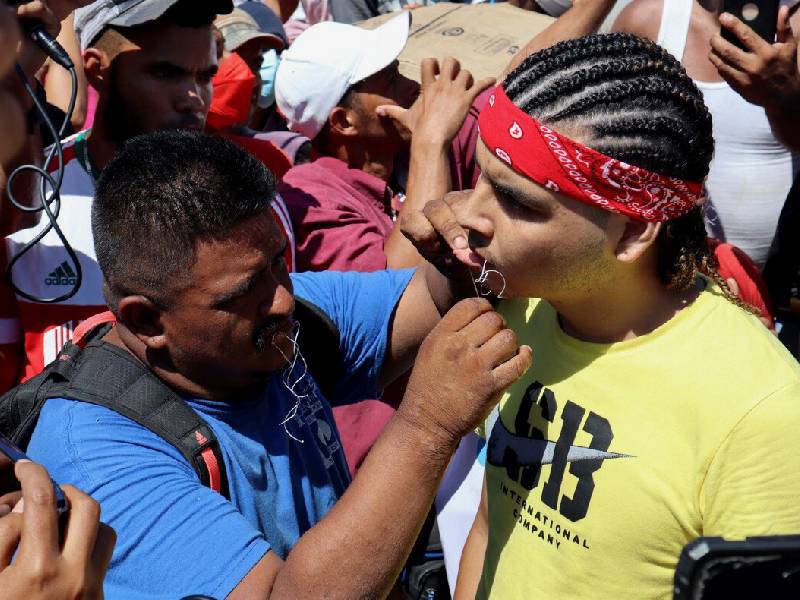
x=460, y=242
x=380, y=111
x=725, y=18
x=4, y=510
x=19, y=507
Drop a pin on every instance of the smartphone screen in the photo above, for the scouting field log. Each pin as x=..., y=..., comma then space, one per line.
x=9, y=455
x=760, y=15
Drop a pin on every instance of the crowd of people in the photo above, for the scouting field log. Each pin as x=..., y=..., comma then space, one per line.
x=262, y=292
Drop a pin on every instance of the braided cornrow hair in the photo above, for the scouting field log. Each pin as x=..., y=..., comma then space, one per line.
x=635, y=102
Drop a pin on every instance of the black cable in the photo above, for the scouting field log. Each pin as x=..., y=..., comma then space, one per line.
x=54, y=198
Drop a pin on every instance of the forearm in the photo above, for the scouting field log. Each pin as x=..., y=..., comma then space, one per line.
x=583, y=18
x=785, y=124
x=58, y=83
x=358, y=549
x=428, y=178
x=470, y=568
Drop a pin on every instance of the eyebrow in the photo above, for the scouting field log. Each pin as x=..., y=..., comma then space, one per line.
x=248, y=284
x=179, y=70
x=516, y=194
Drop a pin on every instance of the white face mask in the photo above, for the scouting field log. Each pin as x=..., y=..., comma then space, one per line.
x=555, y=8
x=269, y=66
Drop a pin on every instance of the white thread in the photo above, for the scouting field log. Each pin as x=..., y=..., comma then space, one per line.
x=483, y=281
x=286, y=378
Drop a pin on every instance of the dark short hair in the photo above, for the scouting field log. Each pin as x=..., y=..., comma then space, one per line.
x=162, y=194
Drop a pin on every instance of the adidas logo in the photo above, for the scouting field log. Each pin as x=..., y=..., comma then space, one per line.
x=63, y=275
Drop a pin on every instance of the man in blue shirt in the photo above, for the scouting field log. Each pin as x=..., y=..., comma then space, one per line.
x=194, y=273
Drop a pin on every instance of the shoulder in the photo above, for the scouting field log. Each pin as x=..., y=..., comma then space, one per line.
x=272, y=157
x=317, y=175
x=311, y=285
x=640, y=17
x=86, y=443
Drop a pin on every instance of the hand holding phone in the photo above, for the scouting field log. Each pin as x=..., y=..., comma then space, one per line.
x=36, y=563
x=759, y=15
x=763, y=73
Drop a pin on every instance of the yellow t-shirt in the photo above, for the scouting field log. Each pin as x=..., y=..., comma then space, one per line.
x=606, y=459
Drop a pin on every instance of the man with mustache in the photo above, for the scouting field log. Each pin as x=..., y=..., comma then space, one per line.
x=203, y=300
x=151, y=62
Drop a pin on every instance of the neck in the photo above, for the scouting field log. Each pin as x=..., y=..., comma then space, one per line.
x=122, y=337
x=631, y=307
x=99, y=145
x=375, y=161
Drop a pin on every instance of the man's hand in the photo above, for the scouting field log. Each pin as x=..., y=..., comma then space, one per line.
x=446, y=94
x=50, y=13
x=44, y=567
x=439, y=238
x=765, y=74
x=463, y=366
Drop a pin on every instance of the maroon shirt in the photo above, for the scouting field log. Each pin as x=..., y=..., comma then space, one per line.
x=341, y=219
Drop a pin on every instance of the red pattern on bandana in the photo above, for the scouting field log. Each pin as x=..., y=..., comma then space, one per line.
x=568, y=167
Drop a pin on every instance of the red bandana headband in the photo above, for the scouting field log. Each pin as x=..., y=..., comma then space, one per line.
x=563, y=165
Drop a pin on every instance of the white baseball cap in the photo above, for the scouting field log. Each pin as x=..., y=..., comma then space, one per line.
x=91, y=20
x=325, y=60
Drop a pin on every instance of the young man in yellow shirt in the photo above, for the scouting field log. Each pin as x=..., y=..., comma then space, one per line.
x=657, y=409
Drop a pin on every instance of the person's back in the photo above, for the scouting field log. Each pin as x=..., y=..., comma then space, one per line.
x=752, y=172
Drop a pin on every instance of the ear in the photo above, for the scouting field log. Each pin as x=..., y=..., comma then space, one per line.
x=342, y=121
x=96, y=65
x=635, y=238
x=143, y=318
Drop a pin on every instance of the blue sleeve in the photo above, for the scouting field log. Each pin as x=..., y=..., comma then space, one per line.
x=175, y=537
x=362, y=307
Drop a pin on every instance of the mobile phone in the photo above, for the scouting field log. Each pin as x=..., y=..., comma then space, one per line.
x=713, y=568
x=760, y=15
x=9, y=455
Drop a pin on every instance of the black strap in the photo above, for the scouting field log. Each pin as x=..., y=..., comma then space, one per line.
x=319, y=339
x=111, y=377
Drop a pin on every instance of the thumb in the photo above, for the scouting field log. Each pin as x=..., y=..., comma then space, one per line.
x=397, y=113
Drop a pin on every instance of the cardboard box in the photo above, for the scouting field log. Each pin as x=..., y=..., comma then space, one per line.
x=483, y=37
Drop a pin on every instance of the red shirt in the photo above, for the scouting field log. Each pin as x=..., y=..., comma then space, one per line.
x=341, y=219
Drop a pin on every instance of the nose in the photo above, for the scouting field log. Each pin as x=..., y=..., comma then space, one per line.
x=473, y=210
x=282, y=302
x=192, y=98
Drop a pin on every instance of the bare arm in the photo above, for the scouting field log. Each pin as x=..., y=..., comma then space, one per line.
x=470, y=568
x=583, y=18
x=637, y=18
x=445, y=98
x=57, y=81
x=357, y=550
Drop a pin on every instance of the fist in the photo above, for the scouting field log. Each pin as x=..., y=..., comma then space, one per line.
x=463, y=366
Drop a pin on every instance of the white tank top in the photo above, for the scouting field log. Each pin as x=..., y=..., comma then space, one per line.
x=751, y=172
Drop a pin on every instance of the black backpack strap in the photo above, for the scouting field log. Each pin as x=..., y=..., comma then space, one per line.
x=111, y=377
x=319, y=341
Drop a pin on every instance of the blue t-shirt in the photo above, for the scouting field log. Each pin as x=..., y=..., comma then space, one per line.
x=176, y=537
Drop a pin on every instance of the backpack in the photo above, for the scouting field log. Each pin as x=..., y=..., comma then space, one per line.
x=93, y=371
